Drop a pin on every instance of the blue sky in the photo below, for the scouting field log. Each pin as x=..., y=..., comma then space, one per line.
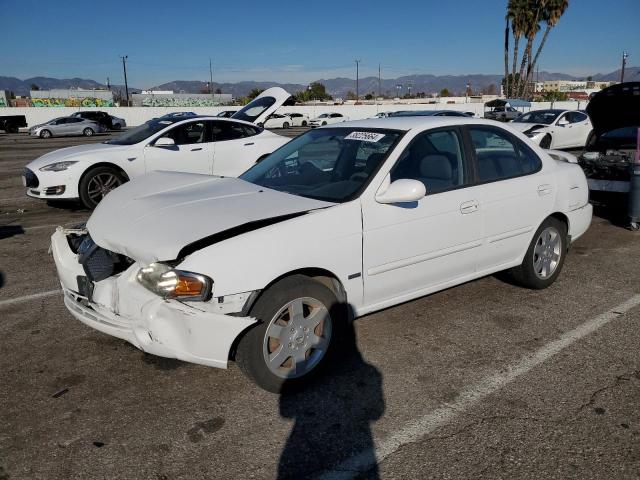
x=295, y=41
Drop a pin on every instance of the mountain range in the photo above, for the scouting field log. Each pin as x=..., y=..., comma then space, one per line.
x=337, y=87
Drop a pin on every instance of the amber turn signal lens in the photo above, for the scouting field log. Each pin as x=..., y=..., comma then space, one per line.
x=188, y=287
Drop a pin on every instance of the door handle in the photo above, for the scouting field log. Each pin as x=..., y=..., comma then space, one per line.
x=247, y=144
x=196, y=149
x=544, y=189
x=469, y=207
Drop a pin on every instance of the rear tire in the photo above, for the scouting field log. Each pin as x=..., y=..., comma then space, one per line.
x=87, y=132
x=324, y=123
x=304, y=123
x=545, y=142
x=545, y=256
x=96, y=183
x=45, y=134
x=117, y=126
x=301, y=322
x=11, y=129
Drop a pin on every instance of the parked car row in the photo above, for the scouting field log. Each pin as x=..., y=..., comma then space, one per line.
x=187, y=143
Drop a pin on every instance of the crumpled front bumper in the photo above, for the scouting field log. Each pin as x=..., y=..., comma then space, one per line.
x=119, y=306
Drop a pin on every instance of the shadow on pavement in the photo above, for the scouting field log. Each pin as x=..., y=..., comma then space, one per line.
x=332, y=416
x=10, y=231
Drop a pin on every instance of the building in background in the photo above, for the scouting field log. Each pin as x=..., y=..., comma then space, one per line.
x=573, y=85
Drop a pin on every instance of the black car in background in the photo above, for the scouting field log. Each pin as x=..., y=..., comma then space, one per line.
x=103, y=118
x=11, y=123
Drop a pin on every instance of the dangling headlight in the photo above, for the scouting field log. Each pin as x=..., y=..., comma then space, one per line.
x=167, y=282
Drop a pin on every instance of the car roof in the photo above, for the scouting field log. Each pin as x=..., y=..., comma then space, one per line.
x=411, y=123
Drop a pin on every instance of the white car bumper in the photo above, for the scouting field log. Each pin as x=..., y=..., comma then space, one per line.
x=52, y=185
x=579, y=220
x=121, y=307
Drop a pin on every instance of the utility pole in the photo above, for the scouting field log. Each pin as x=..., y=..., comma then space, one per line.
x=379, y=82
x=108, y=84
x=357, y=80
x=211, y=80
x=624, y=63
x=126, y=85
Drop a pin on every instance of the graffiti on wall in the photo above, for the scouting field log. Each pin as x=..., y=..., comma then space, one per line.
x=3, y=102
x=71, y=102
x=178, y=102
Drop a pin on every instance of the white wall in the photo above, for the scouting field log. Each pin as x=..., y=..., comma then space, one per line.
x=138, y=115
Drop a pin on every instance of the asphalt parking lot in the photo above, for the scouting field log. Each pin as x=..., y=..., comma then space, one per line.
x=484, y=380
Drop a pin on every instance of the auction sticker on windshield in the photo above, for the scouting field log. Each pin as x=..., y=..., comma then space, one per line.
x=365, y=136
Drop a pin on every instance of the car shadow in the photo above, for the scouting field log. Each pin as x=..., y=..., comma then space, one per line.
x=69, y=205
x=1, y=279
x=612, y=207
x=9, y=231
x=332, y=416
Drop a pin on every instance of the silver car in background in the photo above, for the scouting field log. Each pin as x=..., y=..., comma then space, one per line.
x=66, y=126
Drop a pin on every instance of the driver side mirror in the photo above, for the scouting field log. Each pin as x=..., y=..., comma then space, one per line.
x=164, y=142
x=562, y=122
x=403, y=190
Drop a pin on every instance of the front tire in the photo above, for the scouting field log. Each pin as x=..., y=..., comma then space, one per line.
x=545, y=142
x=304, y=123
x=300, y=323
x=324, y=123
x=98, y=182
x=87, y=132
x=45, y=134
x=285, y=125
x=117, y=126
x=545, y=256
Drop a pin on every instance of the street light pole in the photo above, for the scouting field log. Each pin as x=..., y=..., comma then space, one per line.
x=126, y=85
x=357, y=80
x=624, y=63
x=211, y=81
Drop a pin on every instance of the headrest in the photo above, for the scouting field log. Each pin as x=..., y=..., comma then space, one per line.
x=436, y=166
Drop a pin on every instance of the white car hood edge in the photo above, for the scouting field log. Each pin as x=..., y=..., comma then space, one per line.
x=164, y=216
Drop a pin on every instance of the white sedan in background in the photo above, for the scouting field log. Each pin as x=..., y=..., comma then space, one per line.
x=205, y=145
x=327, y=119
x=277, y=120
x=268, y=269
x=555, y=128
x=298, y=119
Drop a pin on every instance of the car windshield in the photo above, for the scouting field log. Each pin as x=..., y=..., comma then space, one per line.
x=330, y=164
x=324, y=115
x=138, y=134
x=546, y=117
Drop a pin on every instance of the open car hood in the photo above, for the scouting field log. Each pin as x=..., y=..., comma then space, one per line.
x=615, y=107
x=166, y=215
x=273, y=98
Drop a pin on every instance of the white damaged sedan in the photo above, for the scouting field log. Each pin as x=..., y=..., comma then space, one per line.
x=268, y=269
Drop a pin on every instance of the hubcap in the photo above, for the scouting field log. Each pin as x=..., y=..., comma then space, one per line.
x=100, y=185
x=546, y=253
x=297, y=338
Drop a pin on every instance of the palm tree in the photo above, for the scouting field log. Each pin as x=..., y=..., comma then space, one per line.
x=506, y=55
x=517, y=14
x=531, y=28
x=551, y=13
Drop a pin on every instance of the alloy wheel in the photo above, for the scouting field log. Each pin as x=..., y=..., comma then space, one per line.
x=546, y=253
x=297, y=338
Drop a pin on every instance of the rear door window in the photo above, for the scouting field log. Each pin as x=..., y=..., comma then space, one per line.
x=500, y=156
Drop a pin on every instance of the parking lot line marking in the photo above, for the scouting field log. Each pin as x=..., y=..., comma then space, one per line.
x=473, y=395
x=26, y=298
